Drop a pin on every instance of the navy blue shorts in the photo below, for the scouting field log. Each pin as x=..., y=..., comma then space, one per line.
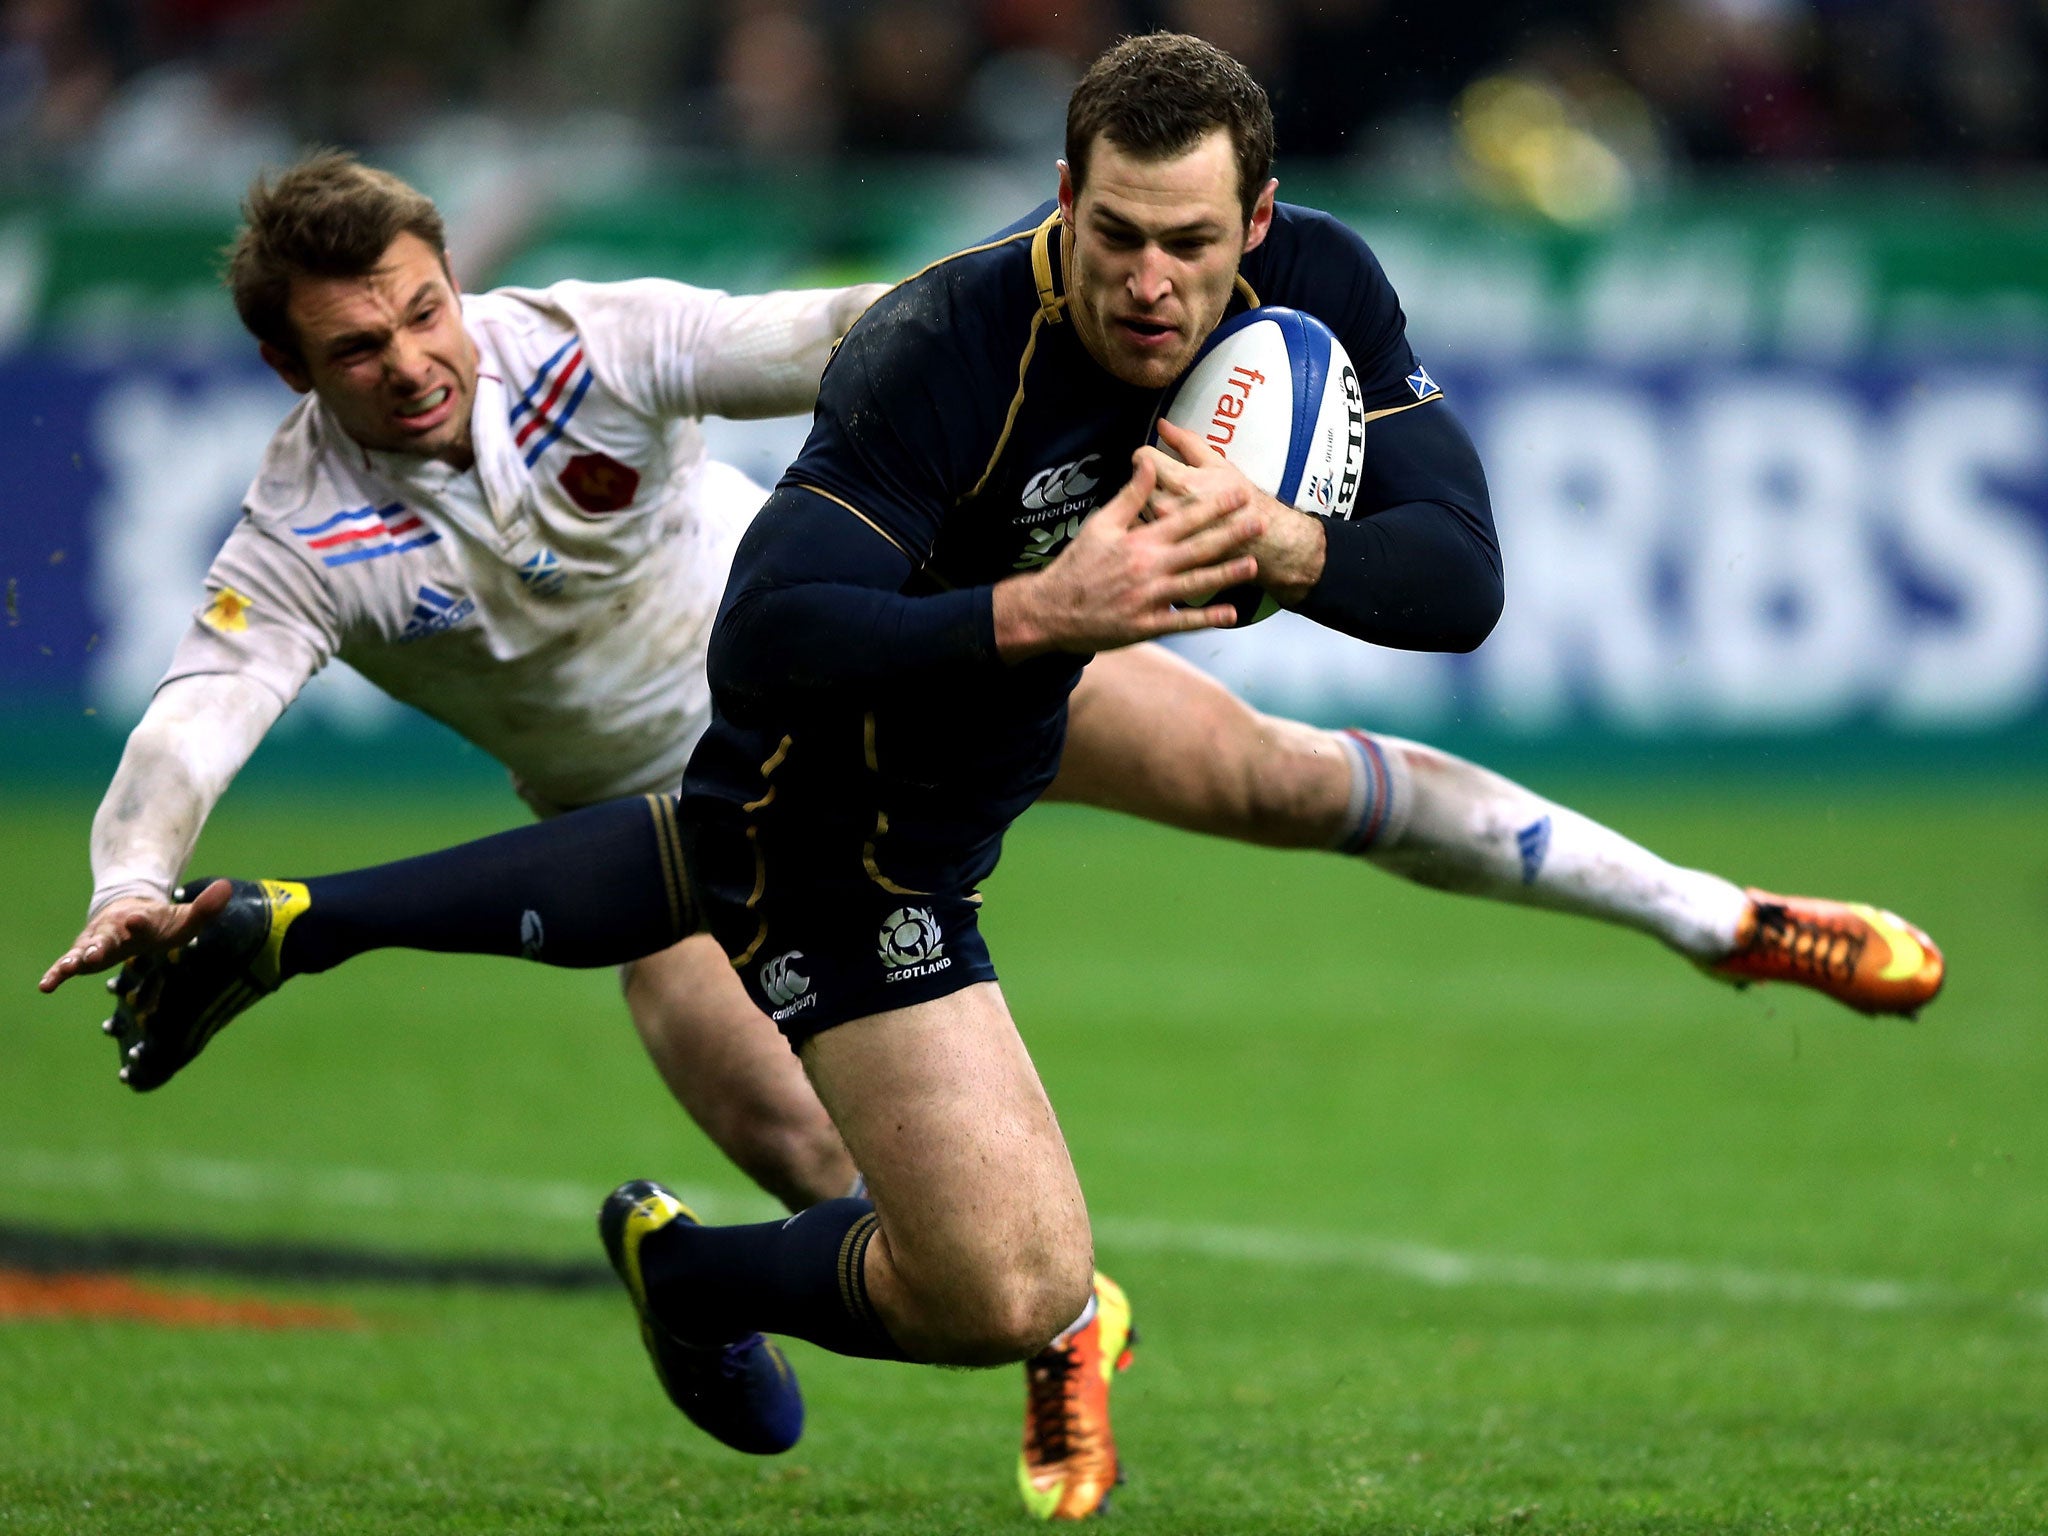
x=816, y=948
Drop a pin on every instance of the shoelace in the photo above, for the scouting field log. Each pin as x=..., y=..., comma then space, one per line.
x=1807, y=944
x=1050, y=1378
x=733, y=1358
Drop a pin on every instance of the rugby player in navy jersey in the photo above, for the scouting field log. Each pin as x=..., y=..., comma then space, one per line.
x=892, y=667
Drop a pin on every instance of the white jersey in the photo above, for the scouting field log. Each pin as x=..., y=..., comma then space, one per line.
x=553, y=603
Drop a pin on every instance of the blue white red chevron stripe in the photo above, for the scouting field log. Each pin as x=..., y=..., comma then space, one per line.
x=550, y=400
x=525, y=402
x=1372, y=793
x=367, y=533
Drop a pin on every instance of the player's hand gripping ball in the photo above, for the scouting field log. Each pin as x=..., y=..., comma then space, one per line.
x=1274, y=392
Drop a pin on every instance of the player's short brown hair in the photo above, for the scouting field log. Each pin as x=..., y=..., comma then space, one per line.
x=327, y=216
x=1159, y=95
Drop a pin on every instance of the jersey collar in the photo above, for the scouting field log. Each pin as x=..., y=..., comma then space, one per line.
x=1049, y=267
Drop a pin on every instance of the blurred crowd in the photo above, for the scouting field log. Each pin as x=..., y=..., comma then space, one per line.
x=137, y=95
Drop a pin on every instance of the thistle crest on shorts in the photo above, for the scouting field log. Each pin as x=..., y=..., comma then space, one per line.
x=910, y=936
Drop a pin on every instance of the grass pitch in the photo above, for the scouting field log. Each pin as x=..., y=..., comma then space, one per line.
x=1437, y=1216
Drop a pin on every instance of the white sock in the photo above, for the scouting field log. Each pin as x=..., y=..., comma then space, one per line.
x=1061, y=1339
x=1443, y=822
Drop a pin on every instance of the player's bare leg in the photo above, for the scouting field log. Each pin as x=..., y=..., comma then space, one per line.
x=729, y=1067
x=732, y=1071
x=982, y=1250
x=974, y=1247
x=1153, y=736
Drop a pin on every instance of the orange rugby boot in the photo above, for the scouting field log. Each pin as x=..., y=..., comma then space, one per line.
x=1872, y=960
x=1069, y=1464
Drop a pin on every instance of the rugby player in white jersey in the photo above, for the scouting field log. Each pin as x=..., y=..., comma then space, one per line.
x=499, y=509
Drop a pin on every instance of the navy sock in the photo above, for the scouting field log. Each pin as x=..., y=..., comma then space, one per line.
x=801, y=1277
x=598, y=886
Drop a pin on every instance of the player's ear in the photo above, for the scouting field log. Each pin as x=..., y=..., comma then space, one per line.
x=1066, y=194
x=1262, y=214
x=287, y=367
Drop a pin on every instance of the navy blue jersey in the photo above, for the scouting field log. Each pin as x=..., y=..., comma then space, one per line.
x=962, y=433
x=966, y=422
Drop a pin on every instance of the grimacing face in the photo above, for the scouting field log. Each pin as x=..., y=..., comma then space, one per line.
x=1153, y=250
x=387, y=354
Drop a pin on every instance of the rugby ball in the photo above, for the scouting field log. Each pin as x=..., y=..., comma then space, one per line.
x=1274, y=392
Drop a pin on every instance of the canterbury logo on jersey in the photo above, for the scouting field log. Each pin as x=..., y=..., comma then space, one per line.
x=782, y=981
x=1058, y=486
x=433, y=613
x=788, y=988
x=1043, y=543
x=543, y=410
x=367, y=533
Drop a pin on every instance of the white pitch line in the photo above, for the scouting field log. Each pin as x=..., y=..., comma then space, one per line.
x=1448, y=1269
x=227, y=1182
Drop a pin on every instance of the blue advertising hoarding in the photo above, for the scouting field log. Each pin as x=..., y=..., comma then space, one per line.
x=1760, y=472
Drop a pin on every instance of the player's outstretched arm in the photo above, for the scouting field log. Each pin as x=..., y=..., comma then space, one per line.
x=762, y=354
x=1122, y=577
x=179, y=760
x=134, y=925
